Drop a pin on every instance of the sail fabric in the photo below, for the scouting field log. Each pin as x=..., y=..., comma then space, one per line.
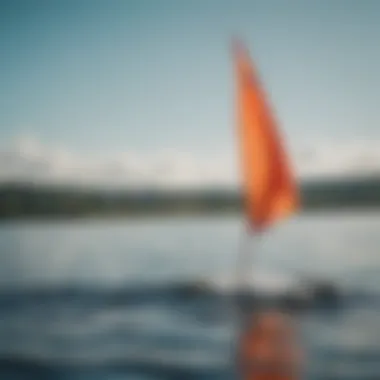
x=270, y=190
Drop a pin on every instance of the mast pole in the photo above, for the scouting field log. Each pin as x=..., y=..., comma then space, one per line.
x=244, y=270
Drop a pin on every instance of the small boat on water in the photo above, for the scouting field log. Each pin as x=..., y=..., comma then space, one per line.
x=267, y=344
x=286, y=293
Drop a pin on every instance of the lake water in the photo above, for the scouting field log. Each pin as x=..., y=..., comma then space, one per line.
x=95, y=300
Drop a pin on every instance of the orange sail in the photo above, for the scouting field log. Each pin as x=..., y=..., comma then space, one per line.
x=269, y=187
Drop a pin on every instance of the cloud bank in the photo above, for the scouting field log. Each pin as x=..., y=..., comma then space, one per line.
x=29, y=160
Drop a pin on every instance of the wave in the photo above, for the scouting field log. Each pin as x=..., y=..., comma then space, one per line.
x=327, y=365
x=318, y=295
x=158, y=330
x=166, y=364
x=294, y=293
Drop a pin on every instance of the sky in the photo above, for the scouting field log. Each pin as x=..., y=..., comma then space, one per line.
x=142, y=92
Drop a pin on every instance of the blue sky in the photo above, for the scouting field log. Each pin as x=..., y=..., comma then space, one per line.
x=103, y=78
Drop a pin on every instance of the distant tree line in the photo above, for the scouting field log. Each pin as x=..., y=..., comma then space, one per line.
x=27, y=200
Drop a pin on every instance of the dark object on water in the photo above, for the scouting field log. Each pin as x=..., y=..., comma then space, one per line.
x=194, y=289
x=325, y=294
x=307, y=294
x=312, y=294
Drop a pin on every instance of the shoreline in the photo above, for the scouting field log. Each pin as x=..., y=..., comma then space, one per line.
x=176, y=214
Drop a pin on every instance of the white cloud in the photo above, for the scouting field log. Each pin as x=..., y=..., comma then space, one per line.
x=355, y=158
x=27, y=159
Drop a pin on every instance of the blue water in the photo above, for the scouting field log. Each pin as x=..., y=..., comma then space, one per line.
x=99, y=299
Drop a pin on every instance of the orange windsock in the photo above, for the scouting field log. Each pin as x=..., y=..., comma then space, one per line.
x=270, y=189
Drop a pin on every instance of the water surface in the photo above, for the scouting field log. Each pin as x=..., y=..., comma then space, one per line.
x=80, y=300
